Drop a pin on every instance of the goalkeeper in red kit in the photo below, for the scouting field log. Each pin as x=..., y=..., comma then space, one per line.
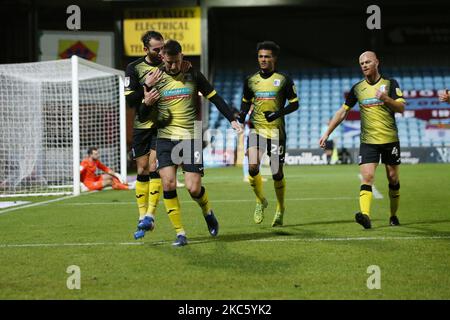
x=97, y=182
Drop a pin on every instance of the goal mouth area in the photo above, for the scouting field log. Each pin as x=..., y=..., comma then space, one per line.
x=51, y=113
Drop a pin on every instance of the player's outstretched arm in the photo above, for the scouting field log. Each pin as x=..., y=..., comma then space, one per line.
x=209, y=93
x=236, y=126
x=245, y=108
x=226, y=111
x=108, y=170
x=115, y=174
x=338, y=117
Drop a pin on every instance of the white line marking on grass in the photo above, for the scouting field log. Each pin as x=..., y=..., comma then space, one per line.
x=86, y=244
x=376, y=193
x=279, y=239
x=36, y=204
x=350, y=239
x=9, y=204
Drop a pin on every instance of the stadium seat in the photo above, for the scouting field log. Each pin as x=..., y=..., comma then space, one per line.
x=321, y=93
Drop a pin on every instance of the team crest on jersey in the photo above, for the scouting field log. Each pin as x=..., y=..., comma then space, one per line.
x=126, y=81
x=383, y=88
x=276, y=82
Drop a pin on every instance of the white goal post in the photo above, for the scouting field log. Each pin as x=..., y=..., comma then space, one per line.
x=50, y=113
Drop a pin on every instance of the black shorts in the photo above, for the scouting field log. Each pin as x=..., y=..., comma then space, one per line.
x=272, y=146
x=329, y=145
x=371, y=153
x=187, y=153
x=143, y=141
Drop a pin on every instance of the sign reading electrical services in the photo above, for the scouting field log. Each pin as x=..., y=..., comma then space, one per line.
x=181, y=24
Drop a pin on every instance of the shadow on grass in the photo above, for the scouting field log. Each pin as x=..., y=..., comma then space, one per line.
x=278, y=258
x=415, y=225
x=425, y=222
x=230, y=237
x=318, y=223
x=291, y=230
x=245, y=258
x=236, y=237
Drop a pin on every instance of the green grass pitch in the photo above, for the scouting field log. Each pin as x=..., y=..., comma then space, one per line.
x=320, y=252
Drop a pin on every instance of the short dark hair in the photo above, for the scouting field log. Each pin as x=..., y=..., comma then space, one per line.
x=171, y=48
x=268, y=45
x=146, y=37
x=91, y=149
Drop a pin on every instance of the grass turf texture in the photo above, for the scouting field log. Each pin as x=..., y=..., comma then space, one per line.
x=319, y=253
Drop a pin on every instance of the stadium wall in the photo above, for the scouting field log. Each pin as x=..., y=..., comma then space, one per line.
x=330, y=36
x=413, y=155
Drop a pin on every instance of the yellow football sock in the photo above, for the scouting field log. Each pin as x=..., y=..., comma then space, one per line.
x=202, y=201
x=257, y=185
x=142, y=186
x=154, y=192
x=280, y=189
x=173, y=210
x=394, y=197
x=365, y=199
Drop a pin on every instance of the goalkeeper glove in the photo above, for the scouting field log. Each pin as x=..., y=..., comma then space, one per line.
x=271, y=116
x=241, y=117
x=118, y=177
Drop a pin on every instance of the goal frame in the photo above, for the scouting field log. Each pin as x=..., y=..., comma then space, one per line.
x=76, y=190
x=76, y=120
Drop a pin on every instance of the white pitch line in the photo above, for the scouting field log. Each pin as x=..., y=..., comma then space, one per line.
x=376, y=193
x=87, y=244
x=350, y=239
x=90, y=244
x=35, y=204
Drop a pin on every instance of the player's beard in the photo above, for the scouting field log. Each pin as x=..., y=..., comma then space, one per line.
x=156, y=59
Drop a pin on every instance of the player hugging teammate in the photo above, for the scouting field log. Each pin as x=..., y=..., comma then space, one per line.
x=169, y=102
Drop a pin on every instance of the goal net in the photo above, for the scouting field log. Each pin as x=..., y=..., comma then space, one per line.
x=50, y=114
